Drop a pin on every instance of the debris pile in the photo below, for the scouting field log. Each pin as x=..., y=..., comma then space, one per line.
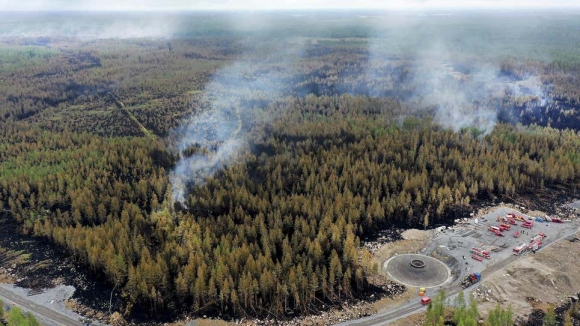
x=89, y=313
x=347, y=310
x=566, y=212
x=373, y=243
x=357, y=310
x=536, y=318
x=483, y=294
x=7, y=275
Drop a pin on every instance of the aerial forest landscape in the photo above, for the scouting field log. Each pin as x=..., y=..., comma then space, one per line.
x=257, y=167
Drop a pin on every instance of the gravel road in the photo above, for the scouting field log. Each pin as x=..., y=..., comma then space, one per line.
x=12, y=295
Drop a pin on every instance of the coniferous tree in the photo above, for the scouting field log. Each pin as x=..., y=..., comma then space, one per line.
x=16, y=318
x=460, y=308
x=550, y=317
x=32, y=321
x=567, y=320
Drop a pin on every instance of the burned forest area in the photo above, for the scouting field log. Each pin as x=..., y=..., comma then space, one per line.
x=234, y=166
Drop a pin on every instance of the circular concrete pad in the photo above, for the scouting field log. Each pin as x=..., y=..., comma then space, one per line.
x=405, y=269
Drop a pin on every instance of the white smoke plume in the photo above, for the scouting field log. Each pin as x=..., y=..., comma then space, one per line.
x=469, y=97
x=454, y=74
x=217, y=134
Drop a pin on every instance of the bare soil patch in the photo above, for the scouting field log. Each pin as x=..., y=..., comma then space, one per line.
x=414, y=234
x=415, y=320
x=394, y=302
x=535, y=281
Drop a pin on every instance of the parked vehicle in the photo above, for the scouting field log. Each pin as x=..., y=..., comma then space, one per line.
x=535, y=245
x=476, y=257
x=480, y=252
x=539, y=237
x=505, y=226
x=521, y=248
x=470, y=279
x=528, y=225
x=519, y=218
x=494, y=229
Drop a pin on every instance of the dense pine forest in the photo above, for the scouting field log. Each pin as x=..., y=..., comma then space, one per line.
x=328, y=153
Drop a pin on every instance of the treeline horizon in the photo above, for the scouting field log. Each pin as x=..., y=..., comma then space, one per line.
x=87, y=148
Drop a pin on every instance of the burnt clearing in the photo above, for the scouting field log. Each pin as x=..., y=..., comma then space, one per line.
x=49, y=266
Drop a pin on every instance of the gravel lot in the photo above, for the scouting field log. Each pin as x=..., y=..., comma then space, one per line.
x=449, y=245
x=52, y=299
x=456, y=242
x=575, y=204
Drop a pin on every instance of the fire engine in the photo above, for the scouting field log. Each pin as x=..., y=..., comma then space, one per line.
x=480, y=252
x=523, y=247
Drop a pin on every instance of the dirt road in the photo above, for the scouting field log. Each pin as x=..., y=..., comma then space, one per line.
x=43, y=314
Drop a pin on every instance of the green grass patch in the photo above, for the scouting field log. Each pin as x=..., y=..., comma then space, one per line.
x=14, y=57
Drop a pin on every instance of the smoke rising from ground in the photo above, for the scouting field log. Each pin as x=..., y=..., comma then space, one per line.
x=468, y=97
x=436, y=70
x=216, y=136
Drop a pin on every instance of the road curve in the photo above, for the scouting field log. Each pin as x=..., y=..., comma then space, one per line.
x=384, y=318
x=44, y=315
x=392, y=315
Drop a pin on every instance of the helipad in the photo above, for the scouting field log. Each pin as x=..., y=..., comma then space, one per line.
x=417, y=270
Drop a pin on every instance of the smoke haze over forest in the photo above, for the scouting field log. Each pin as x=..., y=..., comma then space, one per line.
x=217, y=132
x=458, y=90
x=233, y=163
x=439, y=70
x=128, y=5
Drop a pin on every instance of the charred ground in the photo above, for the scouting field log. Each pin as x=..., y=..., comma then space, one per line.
x=47, y=266
x=344, y=136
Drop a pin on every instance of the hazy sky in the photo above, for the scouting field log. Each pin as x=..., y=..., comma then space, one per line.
x=7, y=5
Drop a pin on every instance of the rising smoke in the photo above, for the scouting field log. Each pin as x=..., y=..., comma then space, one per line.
x=439, y=71
x=469, y=98
x=217, y=135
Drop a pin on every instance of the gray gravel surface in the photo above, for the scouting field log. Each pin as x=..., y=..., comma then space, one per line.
x=454, y=243
x=48, y=307
x=575, y=204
